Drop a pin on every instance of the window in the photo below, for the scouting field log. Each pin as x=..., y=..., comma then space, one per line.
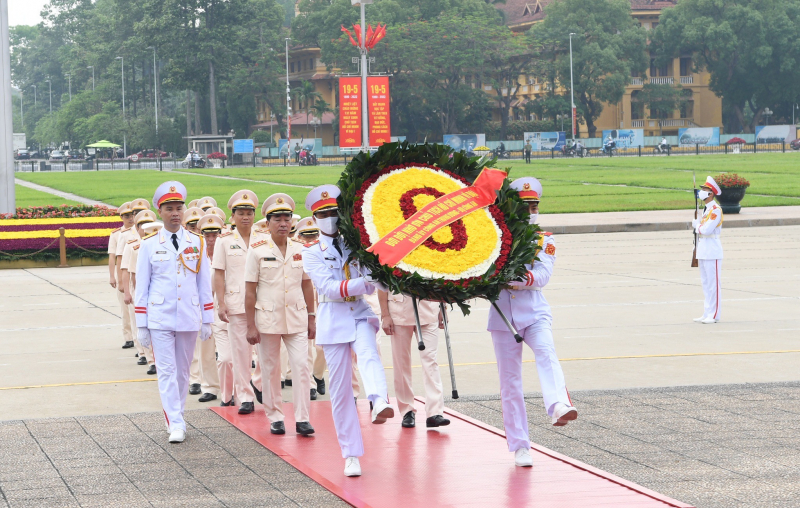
x=687, y=108
x=637, y=108
x=658, y=71
x=291, y=67
x=686, y=66
x=311, y=64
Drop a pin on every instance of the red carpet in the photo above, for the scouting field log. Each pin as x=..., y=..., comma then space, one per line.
x=464, y=464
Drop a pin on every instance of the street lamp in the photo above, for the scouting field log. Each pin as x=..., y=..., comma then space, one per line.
x=794, y=106
x=21, y=112
x=34, y=96
x=92, y=67
x=363, y=49
x=69, y=77
x=571, y=87
x=50, y=86
x=124, y=136
x=767, y=113
x=288, y=103
x=271, y=136
x=155, y=87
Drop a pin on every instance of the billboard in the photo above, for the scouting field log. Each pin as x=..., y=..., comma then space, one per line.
x=545, y=141
x=243, y=146
x=380, y=130
x=775, y=133
x=349, y=112
x=466, y=142
x=625, y=138
x=703, y=136
x=309, y=144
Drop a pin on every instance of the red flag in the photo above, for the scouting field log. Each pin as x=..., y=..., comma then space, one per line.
x=369, y=35
x=380, y=33
x=352, y=41
x=357, y=30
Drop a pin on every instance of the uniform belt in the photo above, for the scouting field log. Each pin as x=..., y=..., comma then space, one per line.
x=525, y=288
x=323, y=299
x=715, y=237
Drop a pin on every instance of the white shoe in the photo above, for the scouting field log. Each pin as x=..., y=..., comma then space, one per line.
x=352, y=467
x=381, y=411
x=177, y=436
x=699, y=319
x=563, y=414
x=522, y=458
x=709, y=321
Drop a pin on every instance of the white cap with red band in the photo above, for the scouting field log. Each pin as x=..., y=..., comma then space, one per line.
x=322, y=198
x=169, y=192
x=529, y=188
x=711, y=184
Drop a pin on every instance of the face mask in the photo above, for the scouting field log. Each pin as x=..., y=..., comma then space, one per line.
x=328, y=225
x=703, y=194
x=532, y=219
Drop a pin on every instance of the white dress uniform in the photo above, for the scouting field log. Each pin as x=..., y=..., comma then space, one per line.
x=709, y=255
x=527, y=309
x=173, y=301
x=345, y=325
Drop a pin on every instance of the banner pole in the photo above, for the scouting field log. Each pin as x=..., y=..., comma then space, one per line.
x=449, y=350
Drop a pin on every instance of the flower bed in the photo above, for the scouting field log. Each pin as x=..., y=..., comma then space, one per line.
x=731, y=181
x=33, y=233
x=473, y=257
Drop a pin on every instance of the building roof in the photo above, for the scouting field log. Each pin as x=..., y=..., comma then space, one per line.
x=521, y=12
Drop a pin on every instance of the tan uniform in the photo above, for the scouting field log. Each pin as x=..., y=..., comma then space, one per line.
x=113, y=240
x=130, y=256
x=401, y=310
x=128, y=236
x=281, y=313
x=230, y=254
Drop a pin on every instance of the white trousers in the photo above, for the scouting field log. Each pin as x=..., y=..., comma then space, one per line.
x=224, y=361
x=340, y=370
x=126, y=317
x=710, y=278
x=269, y=354
x=242, y=354
x=432, y=379
x=173, y=352
x=539, y=337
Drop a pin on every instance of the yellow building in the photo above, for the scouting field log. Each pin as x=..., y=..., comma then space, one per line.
x=702, y=107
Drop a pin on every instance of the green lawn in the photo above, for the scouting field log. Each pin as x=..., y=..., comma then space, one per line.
x=596, y=184
x=29, y=197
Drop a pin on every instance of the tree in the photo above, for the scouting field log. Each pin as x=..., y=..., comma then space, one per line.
x=609, y=44
x=320, y=108
x=307, y=93
x=661, y=100
x=750, y=49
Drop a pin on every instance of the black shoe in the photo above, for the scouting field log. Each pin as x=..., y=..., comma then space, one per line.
x=257, y=392
x=313, y=394
x=288, y=382
x=320, y=385
x=128, y=345
x=142, y=361
x=152, y=370
x=225, y=404
x=409, y=420
x=246, y=408
x=276, y=427
x=253, y=364
x=136, y=355
x=437, y=421
x=303, y=428
x=283, y=385
x=207, y=397
x=194, y=389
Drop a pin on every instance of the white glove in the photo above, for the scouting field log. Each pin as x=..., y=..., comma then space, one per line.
x=143, y=336
x=695, y=223
x=205, y=331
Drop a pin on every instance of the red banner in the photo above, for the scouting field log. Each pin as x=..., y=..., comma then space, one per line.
x=380, y=130
x=392, y=248
x=349, y=112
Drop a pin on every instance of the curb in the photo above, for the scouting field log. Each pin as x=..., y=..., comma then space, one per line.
x=665, y=226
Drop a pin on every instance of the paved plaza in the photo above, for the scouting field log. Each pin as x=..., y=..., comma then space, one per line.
x=702, y=413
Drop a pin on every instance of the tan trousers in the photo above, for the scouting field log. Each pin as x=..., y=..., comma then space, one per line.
x=209, y=376
x=224, y=360
x=126, y=317
x=431, y=378
x=147, y=352
x=269, y=353
x=242, y=354
x=316, y=364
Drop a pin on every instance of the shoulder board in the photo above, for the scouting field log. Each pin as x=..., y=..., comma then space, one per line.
x=311, y=244
x=547, y=233
x=119, y=228
x=258, y=244
x=133, y=241
x=226, y=234
x=136, y=247
x=151, y=235
x=295, y=240
x=195, y=234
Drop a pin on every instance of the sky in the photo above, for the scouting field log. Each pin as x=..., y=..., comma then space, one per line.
x=25, y=12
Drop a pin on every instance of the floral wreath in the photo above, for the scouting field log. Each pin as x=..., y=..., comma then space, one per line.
x=473, y=257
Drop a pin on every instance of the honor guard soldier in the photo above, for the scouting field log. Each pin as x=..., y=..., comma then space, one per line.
x=278, y=297
x=206, y=203
x=526, y=307
x=346, y=325
x=307, y=233
x=212, y=225
x=173, y=301
x=709, y=251
x=230, y=254
x=142, y=218
x=127, y=216
x=397, y=321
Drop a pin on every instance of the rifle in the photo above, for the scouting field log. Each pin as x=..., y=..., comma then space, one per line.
x=694, y=252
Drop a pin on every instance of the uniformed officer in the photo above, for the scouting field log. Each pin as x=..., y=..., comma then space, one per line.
x=397, y=321
x=192, y=204
x=229, y=261
x=307, y=233
x=190, y=219
x=173, y=301
x=709, y=251
x=127, y=216
x=128, y=257
x=206, y=203
x=278, y=297
x=261, y=225
x=346, y=324
x=127, y=236
x=212, y=225
x=526, y=307
x=214, y=210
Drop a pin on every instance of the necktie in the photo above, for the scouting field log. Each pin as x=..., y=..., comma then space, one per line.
x=336, y=245
x=175, y=240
